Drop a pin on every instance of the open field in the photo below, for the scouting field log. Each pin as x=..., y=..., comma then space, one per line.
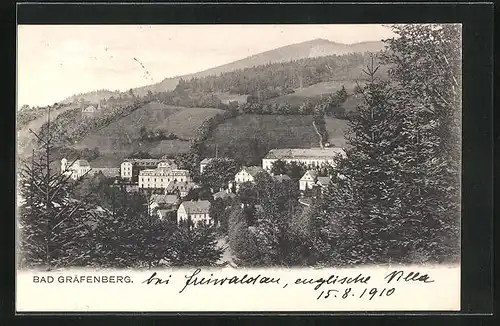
x=248, y=138
x=121, y=137
x=315, y=93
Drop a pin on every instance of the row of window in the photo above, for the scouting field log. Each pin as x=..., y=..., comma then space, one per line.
x=162, y=180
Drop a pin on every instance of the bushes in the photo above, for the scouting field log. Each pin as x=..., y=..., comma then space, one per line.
x=149, y=135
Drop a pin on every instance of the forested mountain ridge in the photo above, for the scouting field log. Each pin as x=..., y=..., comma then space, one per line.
x=308, y=49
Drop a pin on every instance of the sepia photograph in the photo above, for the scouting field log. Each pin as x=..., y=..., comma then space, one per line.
x=240, y=147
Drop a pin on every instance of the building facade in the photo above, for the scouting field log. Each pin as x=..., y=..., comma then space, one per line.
x=307, y=156
x=194, y=211
x=161, y=177
x=90, y=111
x=246, y=174
x=308, y=180
x=75, y=169
x=179, y=188
x=204, y=163
x=130, y=168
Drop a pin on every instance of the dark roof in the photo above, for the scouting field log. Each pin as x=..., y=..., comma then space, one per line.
x=182, y=186
x=196, y=207
x=253, y=170
x=324, y=180
x=223, y=194
x=164, y=199
x=304, y=153
x=281, y=177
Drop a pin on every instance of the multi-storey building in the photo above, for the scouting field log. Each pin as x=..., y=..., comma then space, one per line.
x=307, y=156
x=162, y=177
x=130, y=168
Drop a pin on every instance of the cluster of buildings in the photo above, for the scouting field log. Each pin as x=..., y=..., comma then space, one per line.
x=78, y=168
x=176, y=183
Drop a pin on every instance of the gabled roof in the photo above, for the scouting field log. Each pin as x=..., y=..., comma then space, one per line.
x=304, y=153
x=223, y=194
x=206, y=160
x=281, y=177
x=196, y=207
x=182, y=186
x=324, y=181
x=164, y=199
x=82, y=163
x=90, y=108
x=252, y=170
x=310, y=173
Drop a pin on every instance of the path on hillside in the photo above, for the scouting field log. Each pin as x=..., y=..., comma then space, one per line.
x=25, y=138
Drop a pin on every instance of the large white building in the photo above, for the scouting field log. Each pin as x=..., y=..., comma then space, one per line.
x=75, y=169
x=195, y=211
x=308, y=156
x=129, y=169
x=162, y=177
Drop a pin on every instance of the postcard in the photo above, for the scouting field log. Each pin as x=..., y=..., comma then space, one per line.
x=238, y=168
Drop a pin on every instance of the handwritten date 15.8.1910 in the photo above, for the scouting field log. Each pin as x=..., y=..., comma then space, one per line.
x=366, y=293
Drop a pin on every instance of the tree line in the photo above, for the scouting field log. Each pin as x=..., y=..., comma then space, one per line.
x=276, y=79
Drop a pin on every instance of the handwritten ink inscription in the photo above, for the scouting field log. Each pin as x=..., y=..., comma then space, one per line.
x=358, y=286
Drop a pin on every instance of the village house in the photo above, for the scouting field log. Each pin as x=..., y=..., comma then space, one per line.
x=204, y=163
x=106, y=171
x=323, y=182
x=194, y=211
x=161, y=177
x=180, y=188
x=130, y=168
x=308, y=180
x=307, y=156
x=76, y=169
x=281, y=177
x=246, y=174
x=90, y=111
x=223, y=195
x=162, y=201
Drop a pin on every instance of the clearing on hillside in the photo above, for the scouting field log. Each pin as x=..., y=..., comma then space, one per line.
x=315, y=93
x=249, y=137
x=121, y=137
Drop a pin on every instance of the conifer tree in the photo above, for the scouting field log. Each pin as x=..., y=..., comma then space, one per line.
x=56, y=229
x=425, y=63
x=130, y=235
x=195, y=246
x=360, y=216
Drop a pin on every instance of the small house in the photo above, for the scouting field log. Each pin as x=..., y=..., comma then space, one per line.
x=308, y=180
x=194, y=211
x=247, y=174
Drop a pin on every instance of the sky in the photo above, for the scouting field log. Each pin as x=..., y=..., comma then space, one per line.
x=57, y=61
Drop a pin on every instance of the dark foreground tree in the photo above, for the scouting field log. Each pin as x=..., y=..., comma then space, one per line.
x=130, y=235
x=195, y=246
x=426, y=61
x=361, y=216
x=55, y=228
x=217, y=174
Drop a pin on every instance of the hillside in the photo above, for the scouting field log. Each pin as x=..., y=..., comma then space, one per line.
x=91, y=97
x=308, y=49
x=25, y=139
x=317, y=92
x=248, y=138
x=121, y=137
